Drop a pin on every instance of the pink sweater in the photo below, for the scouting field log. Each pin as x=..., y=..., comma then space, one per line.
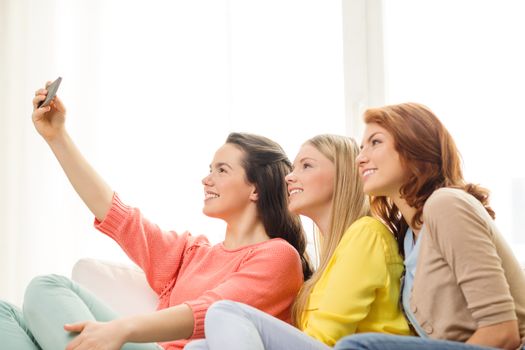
x=182, y=268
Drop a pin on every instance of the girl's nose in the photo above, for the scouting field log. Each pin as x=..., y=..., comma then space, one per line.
x=290, y=177
x=361, y=157
x=206, y=180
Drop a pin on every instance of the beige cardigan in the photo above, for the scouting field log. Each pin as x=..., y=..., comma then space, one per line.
x=466, y=276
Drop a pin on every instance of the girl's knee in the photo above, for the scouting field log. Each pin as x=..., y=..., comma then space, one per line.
x=197, y=345
x=36, y=289
x=47, y=281
x=221, y=307
x=220, y=310
x=8, y=310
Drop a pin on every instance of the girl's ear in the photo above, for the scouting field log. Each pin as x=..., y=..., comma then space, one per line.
x=254, y=196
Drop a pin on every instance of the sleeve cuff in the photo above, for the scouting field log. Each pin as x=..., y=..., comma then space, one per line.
x=497, y=315
x=115, y=216
x=199, y=309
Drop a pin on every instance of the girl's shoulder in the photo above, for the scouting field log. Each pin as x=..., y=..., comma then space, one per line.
x=368, y=224
x=368, y=228
x=276, y=244
x=446, y=199
x=273, y=246
x=451, y=214
x=447, y=194
x=371, y=234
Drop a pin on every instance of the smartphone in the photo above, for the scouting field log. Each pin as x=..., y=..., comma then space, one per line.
x=51, y=92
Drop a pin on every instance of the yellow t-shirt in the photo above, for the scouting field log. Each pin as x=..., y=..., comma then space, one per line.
x=359, y=290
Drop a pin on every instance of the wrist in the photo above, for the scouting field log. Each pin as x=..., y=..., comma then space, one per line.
x=59, y=139
x=126, y=328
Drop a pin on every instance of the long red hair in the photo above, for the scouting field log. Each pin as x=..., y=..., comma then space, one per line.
x=430, y=157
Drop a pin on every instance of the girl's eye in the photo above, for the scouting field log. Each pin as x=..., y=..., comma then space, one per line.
x=306, y=165
x=375, y=142
x=221, y=170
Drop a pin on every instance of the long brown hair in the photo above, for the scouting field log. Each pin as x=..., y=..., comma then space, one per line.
x=349, y=203
x=266, y=166
x=430, y=157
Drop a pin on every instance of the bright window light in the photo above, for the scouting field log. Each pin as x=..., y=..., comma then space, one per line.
x=465, y=60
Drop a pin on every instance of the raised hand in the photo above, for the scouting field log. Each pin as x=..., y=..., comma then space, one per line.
x=49, y=121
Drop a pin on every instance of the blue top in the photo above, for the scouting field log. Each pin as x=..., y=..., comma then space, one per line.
x=411, y=255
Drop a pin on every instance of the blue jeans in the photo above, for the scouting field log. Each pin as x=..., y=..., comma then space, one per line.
x=235, y=326
x=50, y=302
x=376, y=341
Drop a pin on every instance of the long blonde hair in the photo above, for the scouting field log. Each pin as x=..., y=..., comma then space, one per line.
x=349, y=203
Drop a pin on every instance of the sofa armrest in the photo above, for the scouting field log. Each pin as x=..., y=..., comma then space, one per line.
x=122, y=287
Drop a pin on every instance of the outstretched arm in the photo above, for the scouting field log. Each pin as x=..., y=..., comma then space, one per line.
x=268, y=279
x=50, y=123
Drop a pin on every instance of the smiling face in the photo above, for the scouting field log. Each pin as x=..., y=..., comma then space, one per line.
x=227, y=193
x=379, y=163
x=311, y=183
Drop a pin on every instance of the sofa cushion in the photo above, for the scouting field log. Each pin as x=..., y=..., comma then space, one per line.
x=122, y=287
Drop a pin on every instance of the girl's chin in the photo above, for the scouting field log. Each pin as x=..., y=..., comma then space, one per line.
x=293, y=207
x=210, y=213
x=296, y=209
x=371, y=191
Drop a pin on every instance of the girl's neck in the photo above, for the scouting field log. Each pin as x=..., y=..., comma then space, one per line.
x=322, y=221
x=245, y=231
x=408, y=213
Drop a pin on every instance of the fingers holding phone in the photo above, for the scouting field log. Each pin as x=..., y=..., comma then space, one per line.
x=52, y=89
x=48, y=111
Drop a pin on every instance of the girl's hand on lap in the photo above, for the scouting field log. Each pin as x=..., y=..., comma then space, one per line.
x=96, y=335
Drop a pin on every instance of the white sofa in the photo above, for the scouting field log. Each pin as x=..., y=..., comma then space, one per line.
x=123, y=287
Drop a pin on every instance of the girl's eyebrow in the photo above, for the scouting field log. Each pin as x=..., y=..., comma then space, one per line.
x=370, y=138
x=374, y=134
x=306, y=158
x=219, y=164
x=302, y=160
